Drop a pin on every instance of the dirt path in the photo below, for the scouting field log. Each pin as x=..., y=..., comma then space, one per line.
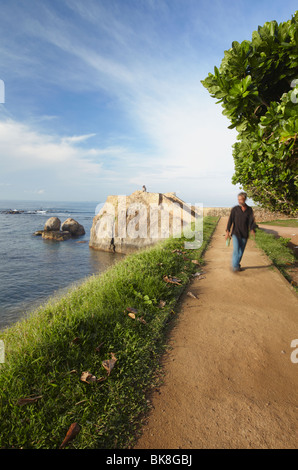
x=229, y=380
x=286, y=232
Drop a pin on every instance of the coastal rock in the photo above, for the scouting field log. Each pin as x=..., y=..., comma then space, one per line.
x=58, y=235
x=14, y=211
x=53, y=223
x=69, y=229
x=72, y=226
x=38, y=233
x=128, y=223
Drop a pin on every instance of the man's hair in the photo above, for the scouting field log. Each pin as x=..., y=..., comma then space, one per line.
x=243, y=194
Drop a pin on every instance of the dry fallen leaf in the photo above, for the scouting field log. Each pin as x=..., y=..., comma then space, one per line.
x=132, y=310
x=161, y=304
x=199, y=276
x=76, y=340
x=179, y=252
x=88, y=377
x=72, y=432
x=109, y=363
x=101, y=379
x=172, y=280
x=195, y=261
x=132, y=314
x=190, y=294
x=27, y=401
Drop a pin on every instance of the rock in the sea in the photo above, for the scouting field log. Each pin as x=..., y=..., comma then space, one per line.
x=72, y=226
x=38, y=233
x=53, y=223
x=128, y=223
x=59, y=235
x=14, y=211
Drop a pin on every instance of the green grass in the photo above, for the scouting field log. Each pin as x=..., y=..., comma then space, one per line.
x=282, y=223
x=41, y=358
x=277, y=250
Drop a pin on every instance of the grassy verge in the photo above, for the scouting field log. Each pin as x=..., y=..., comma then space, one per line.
x=277, y=250
x=282, y=223
x=46, y=354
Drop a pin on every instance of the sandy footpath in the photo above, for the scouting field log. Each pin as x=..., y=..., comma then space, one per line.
x=286, y=232
x=229, y=380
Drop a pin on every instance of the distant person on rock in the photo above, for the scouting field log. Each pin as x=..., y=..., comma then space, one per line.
x=243, y=221
x=144, y=188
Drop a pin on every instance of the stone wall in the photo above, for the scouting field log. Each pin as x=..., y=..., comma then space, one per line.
x=261, y=215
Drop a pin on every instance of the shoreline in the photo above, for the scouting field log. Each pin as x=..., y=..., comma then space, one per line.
x=30, y=306
x=38, y=304
x=117, y=318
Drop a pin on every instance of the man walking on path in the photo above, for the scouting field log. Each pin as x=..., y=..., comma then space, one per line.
x=243, y=221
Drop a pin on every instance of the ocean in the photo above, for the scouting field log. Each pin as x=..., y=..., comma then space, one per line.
x=33, y=269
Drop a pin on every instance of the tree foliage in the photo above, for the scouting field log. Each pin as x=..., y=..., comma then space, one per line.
x=257, y=85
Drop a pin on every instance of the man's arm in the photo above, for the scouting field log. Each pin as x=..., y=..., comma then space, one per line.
x=230, y=222
x=252, y=223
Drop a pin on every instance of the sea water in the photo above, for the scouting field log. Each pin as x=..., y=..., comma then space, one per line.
x=33, y=269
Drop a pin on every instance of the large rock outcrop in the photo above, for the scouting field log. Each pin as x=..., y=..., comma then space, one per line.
x=127, y=223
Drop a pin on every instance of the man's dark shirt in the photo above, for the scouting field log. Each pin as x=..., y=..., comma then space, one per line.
x=243, y=221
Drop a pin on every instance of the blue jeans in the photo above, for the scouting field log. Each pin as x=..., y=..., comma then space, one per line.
x=238, y=250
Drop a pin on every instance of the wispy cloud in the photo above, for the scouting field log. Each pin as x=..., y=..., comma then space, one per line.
x=34, y=191
x=76, y=138
x=26, y=155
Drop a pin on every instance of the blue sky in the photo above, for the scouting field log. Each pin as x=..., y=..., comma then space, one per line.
x=103, y=96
